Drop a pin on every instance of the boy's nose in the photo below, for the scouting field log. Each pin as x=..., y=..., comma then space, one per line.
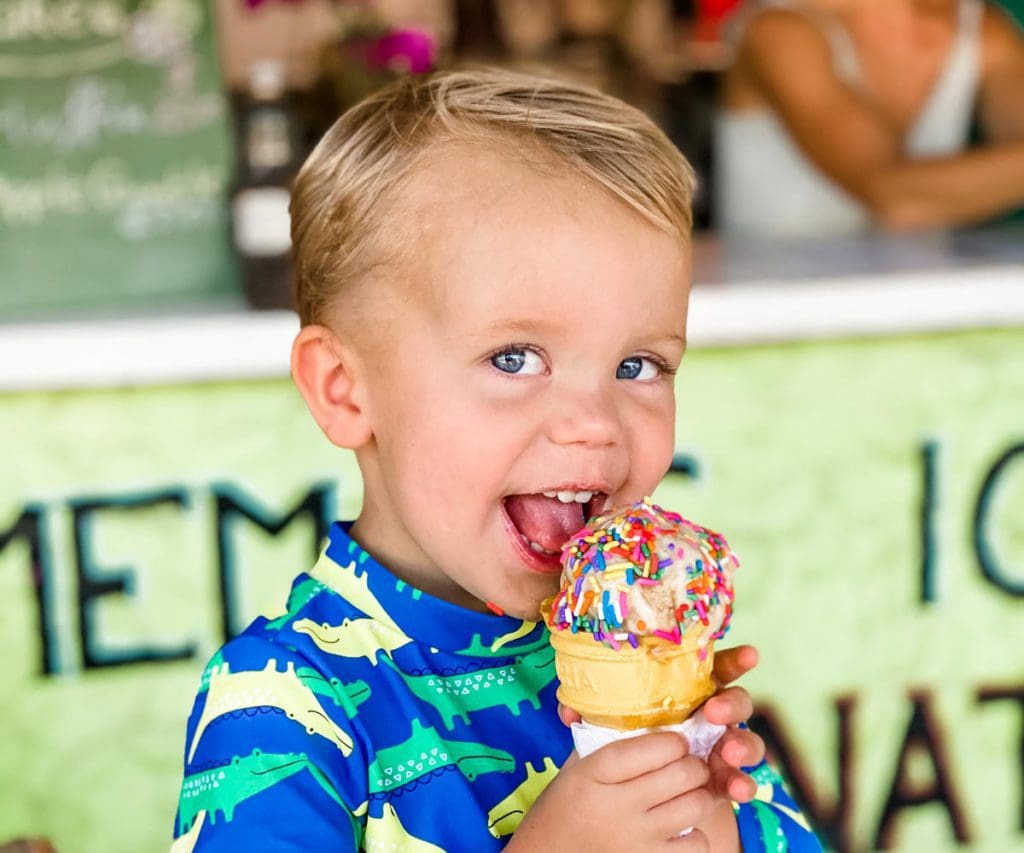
x=587, y=419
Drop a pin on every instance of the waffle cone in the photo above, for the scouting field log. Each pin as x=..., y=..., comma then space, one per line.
x=656, y=684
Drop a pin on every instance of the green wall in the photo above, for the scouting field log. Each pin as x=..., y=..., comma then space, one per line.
x=810, y=458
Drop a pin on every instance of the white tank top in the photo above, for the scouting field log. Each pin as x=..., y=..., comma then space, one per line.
x=766, y=185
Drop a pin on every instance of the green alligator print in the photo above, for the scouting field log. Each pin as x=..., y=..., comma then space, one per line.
x=500, y=647
x=505, y=817
x=426, y=751
x=385, y=834
x=221, y=789
x=355, y=589
x=348, y=695
x=215, y=665
x=768, y=779
x=300, y=596
x=187, y=843
x=772, y=836
x=229, y=692
x=460, y=695
x=353, y=638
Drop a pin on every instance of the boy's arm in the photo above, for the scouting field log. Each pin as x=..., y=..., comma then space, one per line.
x=766, y=819
x=772, y=820
x=269, y=763
x=761, y=816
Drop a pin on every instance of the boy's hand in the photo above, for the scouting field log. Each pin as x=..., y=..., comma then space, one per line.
x=730, y=706
x=738, y=747
x=634, y=794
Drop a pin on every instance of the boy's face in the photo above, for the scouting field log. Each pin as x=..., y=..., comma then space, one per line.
x=529, y=349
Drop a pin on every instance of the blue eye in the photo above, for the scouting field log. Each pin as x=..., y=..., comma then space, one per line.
x=518, y=360
x=509, y=362
x=636, y=367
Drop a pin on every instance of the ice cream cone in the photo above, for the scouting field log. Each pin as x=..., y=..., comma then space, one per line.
x=644, y=595
x=655, y=684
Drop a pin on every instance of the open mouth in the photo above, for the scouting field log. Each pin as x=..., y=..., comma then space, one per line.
x=543, y=522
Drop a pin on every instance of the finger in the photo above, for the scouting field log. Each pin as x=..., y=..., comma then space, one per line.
x=727, y=782
x=668, y=782
x=740, y=748
x=687, y=809
x=567, y=715
x=730, y=707
x=730, y=664
x=740, y=787
x=627, y=759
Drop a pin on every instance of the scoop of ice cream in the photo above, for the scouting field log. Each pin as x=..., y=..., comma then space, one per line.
x=644, y=571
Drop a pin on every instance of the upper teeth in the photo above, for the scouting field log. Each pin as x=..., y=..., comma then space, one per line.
x=569, y=497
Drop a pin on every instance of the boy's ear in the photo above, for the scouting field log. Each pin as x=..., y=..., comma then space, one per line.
x=327, y=375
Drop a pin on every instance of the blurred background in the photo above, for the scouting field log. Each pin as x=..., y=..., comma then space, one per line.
x=851, y=413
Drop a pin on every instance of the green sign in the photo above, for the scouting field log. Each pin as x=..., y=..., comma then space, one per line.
x=874, y=491
x=114, y=155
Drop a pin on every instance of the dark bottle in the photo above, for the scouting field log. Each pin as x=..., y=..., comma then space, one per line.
x=268, y=157
x=477, y=31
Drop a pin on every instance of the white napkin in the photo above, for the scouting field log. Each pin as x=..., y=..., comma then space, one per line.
x=701, y=735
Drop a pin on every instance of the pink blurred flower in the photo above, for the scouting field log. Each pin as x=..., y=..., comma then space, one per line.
x=253, y=4
x=403, y=50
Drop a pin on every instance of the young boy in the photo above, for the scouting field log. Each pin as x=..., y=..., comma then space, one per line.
x=492, y=277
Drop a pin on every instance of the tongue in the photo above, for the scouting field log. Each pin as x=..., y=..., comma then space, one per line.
x=546, y=521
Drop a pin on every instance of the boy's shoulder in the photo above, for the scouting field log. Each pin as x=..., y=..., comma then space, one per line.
x=390, y=698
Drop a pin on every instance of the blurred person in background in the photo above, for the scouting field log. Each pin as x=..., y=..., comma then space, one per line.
x=842, y=114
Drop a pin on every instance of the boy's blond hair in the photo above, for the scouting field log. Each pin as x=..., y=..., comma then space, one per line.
x=340, y=197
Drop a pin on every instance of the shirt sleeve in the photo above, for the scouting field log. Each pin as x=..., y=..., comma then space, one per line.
x=772, y=822
x=271, y=761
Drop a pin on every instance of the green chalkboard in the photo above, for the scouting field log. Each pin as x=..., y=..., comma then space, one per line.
x=1014, y=7
x=114, y=157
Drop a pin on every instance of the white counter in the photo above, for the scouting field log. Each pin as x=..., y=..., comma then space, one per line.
x=747, y=294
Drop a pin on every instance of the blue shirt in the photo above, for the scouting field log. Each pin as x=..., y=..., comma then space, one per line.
x=373, y=716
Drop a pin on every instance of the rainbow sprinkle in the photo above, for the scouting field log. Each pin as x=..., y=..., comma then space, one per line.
x=617, y=556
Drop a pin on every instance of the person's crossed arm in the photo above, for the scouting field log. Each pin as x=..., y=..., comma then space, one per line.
x=789, y=61
x=1001, y=99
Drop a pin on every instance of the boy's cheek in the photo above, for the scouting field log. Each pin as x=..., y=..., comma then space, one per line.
x=654, y=447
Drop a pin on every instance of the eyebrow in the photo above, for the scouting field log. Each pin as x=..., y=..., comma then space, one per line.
x=525, y=325
x=530, y=326
x=669, y=338
x=674, y=338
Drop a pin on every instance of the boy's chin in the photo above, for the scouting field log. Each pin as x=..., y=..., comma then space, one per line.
x=529, y=615
x=526, y=605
